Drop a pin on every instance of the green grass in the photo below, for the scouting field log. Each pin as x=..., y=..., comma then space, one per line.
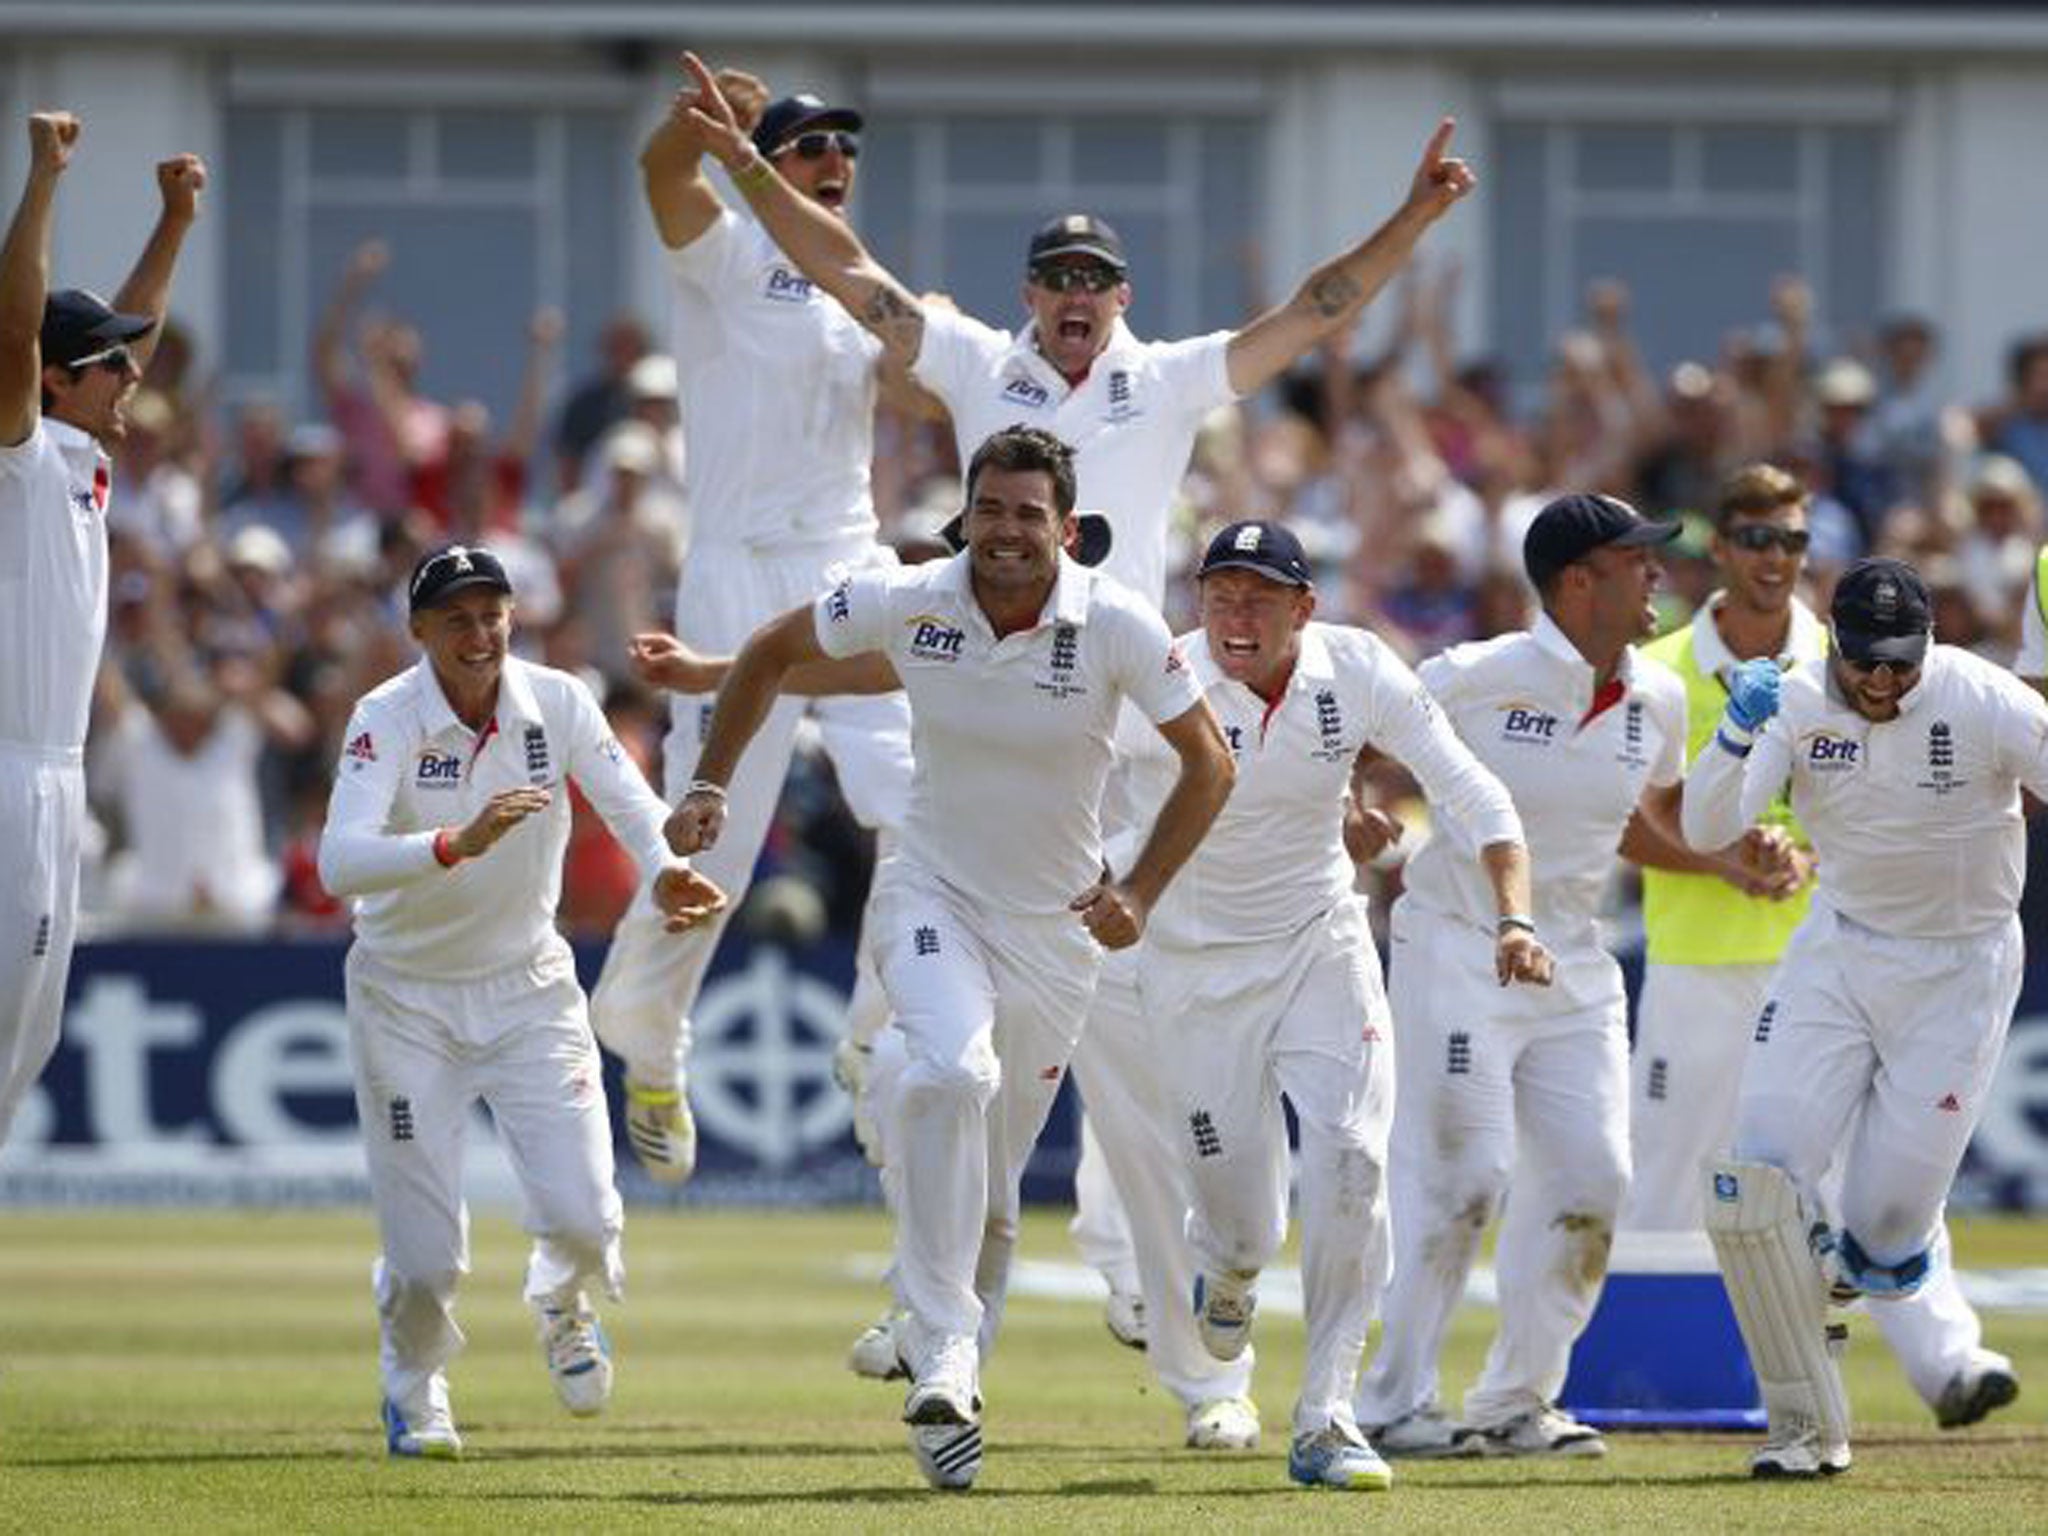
x=215, y=1372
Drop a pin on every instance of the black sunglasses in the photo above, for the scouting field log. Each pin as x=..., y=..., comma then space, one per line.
x=1758, y=537
x=116, y=359
x=1091, y=278
x=815, y=146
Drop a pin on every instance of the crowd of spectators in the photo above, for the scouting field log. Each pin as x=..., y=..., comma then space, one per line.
x=259, y=562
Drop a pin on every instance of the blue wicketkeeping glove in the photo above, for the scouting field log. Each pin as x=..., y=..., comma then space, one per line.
x=1753, y=693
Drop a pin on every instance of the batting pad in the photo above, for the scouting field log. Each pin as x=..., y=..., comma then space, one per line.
x=1760, y=1236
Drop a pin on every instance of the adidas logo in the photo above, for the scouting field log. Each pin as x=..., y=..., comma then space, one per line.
x=1950, y=1104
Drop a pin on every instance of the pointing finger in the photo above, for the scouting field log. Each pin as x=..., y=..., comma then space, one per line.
x=1440, y=141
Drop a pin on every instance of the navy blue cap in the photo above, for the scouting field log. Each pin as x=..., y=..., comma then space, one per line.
x=1265, y=547
x=79, y=327
x=787, y=116
x=1572, y=527
x=1077, y=234
x=450, y=569
x=1882, y=611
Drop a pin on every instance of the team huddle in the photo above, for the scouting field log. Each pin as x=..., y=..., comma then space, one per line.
x=1129, y=856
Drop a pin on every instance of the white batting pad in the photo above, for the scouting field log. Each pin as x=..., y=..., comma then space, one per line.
x=1760, y=1236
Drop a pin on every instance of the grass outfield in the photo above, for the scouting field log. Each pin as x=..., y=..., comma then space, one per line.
x=215, y=1372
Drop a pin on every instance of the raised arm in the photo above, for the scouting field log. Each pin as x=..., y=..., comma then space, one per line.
x=330, y=341
x=543, y=335
x=823, y=246
x=1335, y=293
x=179, y=181
x=25, y=275
x=679, y=194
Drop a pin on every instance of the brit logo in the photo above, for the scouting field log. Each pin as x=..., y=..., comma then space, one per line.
x=438, y=770
x=787, y=287
x=401, y=1119
x=1458, y=1060
x=1330, y=727
x=924, y=941
x=536, y=754
x=1534, y=727
x=1828, y=753
x=1023, y=391
x=1234, y=734
x=933, y=639
x=1207, y=1142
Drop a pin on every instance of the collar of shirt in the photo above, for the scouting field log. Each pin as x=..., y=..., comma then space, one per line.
x=72, y=441
x=1068, y=603
x=1806, y=639
x=515, y=700
x=1024, y=348
x=1557, y=645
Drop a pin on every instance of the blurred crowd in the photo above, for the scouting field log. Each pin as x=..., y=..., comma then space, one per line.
x=259, y=562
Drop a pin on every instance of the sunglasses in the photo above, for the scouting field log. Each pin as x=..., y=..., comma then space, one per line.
x=1091, y=278
x=1758, y=537
x=116, y=359
x=815, y=146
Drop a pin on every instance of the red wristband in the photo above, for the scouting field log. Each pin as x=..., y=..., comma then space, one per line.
x=444, y=849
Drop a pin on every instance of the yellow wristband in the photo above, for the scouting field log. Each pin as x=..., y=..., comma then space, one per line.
x=755, y=173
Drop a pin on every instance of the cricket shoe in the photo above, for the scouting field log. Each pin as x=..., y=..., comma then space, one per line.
x=662, y=1131
x=1798, y=1454
x=878, y=1353
x=578, y=1354
x=944, y=1414
x=1982, y=1387
x=424, y=1427
x=1545, y=1431
x=1224, y=1304
x=1224, y=1424
x=1337, y=1456
x=1124, y=1315
x=1424, y=1435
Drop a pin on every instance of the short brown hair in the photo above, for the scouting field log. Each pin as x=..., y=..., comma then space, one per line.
x=1756, y=490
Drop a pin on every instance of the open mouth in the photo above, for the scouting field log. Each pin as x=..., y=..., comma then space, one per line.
x=1076, y=328
x=832, y=194
x=1240, y=650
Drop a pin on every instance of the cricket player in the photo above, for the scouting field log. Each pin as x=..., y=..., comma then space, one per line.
x=1717, y=924
x=1885, y=1021
x=1582, y=729
x=446, y=827
x=69, y=362
x=1131, y=409
x=1016, y=660
x=1260, y=979
x=778, y=401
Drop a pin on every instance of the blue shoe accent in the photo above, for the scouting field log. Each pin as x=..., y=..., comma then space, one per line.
x=1885, y=1281
x=395, y=1431
x=1335, y=1457
x=399, y=1439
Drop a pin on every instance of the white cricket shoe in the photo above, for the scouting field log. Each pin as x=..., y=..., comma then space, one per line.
x=422, y=1426
x=1124, y=1315
x=1980, y=1388
x=1427, y=1434
x=662, y=1131
x=1798, y=1454
x=878, y=1353
x=1337, y=1456
x=944, y=1414
x=1224, y=1424
x=1545, y=1431
x=1224, y=1305
x=579, y=1356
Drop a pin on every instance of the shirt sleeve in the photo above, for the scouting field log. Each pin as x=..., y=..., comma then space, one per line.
x=853, y=618
x=1730, y=787
x=2020, y=740
x=18, y=460
x=1196, y=372
x=357, y=855
x=1150, y=670
x=613, y=784
x=956, y=350
x=1409, y=724
x=708, y=261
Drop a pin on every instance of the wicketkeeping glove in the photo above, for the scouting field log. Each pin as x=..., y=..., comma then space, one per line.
x=1753, y=693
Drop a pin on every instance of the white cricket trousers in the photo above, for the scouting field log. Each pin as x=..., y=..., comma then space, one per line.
x=651, y=977
x=1888, y=1045
x=1693, y=1029
x=1118, y=1069
x=1239, y=1026
x=989, y=1005
x=424, y=1051
x=1533, y=1109
x=42, y=828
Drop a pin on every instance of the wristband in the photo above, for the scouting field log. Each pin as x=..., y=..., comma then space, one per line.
x=1732, y=739
x=755, y=172
x=1515, y=920
x=705, y=787
x=445, y=854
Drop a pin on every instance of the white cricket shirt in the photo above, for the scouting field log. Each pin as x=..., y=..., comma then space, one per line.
x=1916, y=821
x=410, y=768
x=1524, y=704
x=1131, y=422
x=1012, y=737
x=777, y=396
x=1274, y=860
x=53, y=586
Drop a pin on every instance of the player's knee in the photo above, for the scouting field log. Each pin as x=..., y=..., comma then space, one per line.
x=972, y=1074
x=408, y=1297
